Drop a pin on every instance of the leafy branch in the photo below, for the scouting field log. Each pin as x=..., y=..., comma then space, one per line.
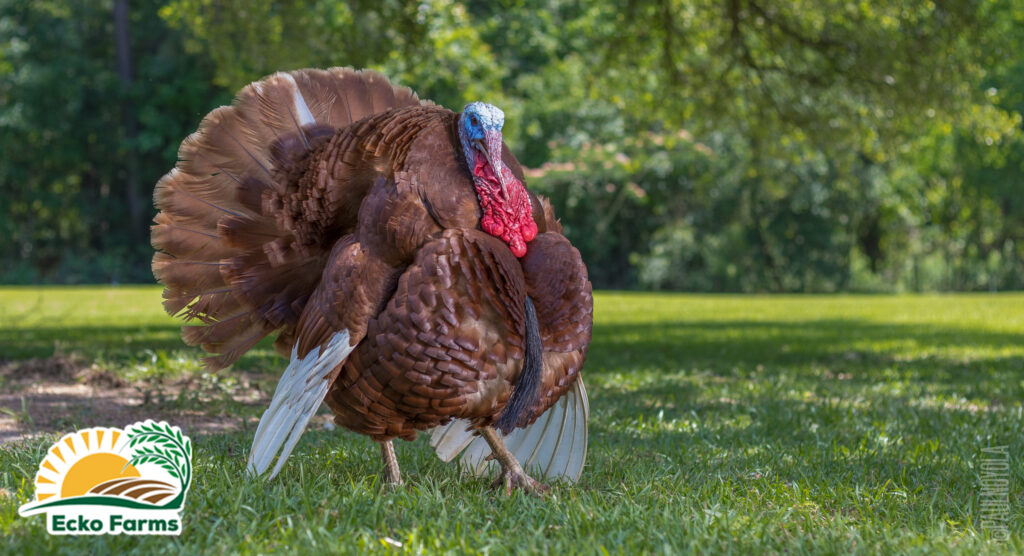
x=163, y=445
x=150, y=455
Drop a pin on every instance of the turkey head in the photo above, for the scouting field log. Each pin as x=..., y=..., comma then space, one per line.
x=507, y=212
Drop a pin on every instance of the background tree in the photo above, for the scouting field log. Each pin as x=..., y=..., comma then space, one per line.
x=64, y=170
x=709, y=145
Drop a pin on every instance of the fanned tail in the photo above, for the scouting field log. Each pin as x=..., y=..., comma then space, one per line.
x=554, y=446
x=225, y=256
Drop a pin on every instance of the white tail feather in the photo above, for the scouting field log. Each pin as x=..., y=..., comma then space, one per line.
x=559, y=460
x=554, y=446
x=302, y=113
x=299, y=393
x=450, y=440
x=579, y=456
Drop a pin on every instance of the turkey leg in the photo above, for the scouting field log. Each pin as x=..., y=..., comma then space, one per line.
x=512, y=474
x=392, y=477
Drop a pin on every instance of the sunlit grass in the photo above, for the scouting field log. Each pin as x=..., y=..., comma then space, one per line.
x=124, y=327
x=741, y=424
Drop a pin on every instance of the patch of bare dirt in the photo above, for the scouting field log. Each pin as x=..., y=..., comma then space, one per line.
x=61, y=394
x=57, y=368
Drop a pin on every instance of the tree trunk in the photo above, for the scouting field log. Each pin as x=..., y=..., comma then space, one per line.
x=122, y=37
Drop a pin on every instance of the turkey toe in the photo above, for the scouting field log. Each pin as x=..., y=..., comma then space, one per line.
x=512, y=480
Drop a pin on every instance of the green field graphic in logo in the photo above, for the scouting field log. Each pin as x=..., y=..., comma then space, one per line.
x=105, y=480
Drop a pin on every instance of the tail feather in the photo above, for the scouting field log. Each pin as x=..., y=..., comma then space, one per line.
x=230, y=338
x=248, y=233
x=356, y=95
x=380, y=91
x=227, y=256
x=554, y=446
x=274, y=292
x=227, y=144
x=182, y=298
x=320, y=89
x=197, y=306
x=281, y=106
x=189, y=241
x=218, y=332
x=186, y=275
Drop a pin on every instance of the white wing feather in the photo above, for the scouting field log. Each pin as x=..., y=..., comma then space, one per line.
x=299, y=393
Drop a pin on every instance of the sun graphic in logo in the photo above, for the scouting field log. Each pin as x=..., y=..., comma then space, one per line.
x=82, y=461
x=143, y=470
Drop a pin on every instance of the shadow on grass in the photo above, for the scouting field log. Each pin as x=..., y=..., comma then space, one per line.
x=40, y=341
x=743, y=345
x=736, y=342
x=883, y=410
x=124, y=345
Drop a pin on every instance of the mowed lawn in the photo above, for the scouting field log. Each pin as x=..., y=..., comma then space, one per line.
x=720, y=424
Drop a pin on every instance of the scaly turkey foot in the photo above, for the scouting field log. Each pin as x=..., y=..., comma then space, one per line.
x=392, y=476
x=518, y=481
x=512, y=474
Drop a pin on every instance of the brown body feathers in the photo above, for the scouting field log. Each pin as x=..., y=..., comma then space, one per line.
x=330, y=201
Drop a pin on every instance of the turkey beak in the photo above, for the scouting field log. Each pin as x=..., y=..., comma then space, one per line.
x=490, y=146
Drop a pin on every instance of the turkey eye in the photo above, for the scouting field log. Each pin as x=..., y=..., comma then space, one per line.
x=474, y=121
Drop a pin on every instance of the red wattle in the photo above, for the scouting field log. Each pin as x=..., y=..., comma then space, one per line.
x=529, y=230
x=508, y=218
x=518, y=247
x=492, y=226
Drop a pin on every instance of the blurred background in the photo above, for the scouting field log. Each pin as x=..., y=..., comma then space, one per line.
x=696, y=145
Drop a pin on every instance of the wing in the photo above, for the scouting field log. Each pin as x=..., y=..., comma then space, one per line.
x=358, y=280
x=298, y=395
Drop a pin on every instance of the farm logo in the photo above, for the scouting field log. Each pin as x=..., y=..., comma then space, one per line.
x=110, y=481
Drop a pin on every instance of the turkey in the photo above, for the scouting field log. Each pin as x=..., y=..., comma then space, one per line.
x=411, y=278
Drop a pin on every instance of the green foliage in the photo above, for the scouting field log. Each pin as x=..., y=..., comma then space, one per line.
x=816, y=115
x=734, y=145
x=64, y=202
x=719, y=424
x=430, y=46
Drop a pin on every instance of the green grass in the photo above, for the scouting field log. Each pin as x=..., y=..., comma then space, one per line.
x=122, y=327
x=720, y=424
